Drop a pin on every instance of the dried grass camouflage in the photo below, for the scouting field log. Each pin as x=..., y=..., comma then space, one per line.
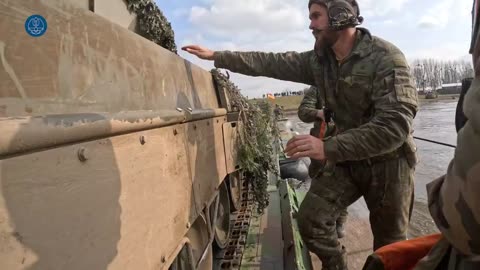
x=260, y=131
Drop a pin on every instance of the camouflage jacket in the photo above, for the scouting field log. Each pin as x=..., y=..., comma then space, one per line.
x=454, y=199
x=371, y=92
x=309, y=107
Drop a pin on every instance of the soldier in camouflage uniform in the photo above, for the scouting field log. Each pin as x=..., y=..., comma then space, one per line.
x=454, y=199
x=366, y=85
x=311, y=111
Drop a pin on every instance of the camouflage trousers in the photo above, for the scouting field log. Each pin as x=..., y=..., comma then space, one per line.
x=387, y=187
x=314, y=169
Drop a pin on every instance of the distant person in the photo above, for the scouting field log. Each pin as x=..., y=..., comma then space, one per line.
x=311, y=111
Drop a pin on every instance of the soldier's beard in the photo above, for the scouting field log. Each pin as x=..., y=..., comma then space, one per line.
x=324, y=39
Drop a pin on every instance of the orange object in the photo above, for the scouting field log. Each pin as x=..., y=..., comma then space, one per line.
x=323, y=129
x=402, y=255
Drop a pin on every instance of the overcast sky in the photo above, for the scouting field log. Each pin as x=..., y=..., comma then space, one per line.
x=420, y=28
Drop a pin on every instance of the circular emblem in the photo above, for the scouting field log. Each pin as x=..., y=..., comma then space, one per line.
x=36, y=25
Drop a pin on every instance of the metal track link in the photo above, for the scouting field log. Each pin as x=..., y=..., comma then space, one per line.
x=231, y=256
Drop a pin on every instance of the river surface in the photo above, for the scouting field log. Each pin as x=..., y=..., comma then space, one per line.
x=435, y=121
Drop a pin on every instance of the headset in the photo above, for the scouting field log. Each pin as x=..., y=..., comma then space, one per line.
x=341, y=13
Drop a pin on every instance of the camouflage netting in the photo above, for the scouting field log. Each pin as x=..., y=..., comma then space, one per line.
x=152, y=24
x=256, y=153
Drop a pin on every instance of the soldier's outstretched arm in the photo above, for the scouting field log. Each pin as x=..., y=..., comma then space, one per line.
x=289, y=66
x=309, y=108
x=395, y=105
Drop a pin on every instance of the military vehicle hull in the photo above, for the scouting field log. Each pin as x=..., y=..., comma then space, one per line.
x=114, y=152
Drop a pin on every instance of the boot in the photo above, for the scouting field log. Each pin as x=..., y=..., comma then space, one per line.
x=335, y=262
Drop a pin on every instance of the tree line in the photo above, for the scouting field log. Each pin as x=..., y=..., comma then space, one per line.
x=430, y=74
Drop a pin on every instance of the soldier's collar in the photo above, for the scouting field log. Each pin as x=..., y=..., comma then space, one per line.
x=363, y=45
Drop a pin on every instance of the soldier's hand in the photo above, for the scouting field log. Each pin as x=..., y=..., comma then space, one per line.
x=305, y=146
x=199, y=51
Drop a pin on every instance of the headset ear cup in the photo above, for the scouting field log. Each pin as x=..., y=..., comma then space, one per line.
x=343, y=14
x=356, y=7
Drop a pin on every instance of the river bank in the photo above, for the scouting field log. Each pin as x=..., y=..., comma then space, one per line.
x=291, y=103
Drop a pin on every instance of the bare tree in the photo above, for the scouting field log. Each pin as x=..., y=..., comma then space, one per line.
x=431, y=73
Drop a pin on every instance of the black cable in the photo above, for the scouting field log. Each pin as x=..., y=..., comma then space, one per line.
x=435, y=142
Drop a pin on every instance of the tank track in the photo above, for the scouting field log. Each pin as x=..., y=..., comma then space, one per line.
x=231, y=256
